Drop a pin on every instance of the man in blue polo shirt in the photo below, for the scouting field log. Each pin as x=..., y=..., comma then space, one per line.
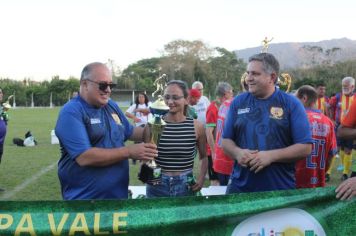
x=266, y=131
x=92, y=130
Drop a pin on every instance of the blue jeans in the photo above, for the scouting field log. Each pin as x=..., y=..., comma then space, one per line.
x=170, y=186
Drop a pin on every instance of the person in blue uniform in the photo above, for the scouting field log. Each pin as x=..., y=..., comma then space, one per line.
x=92, y=130
x=3, y=127
x=266, y=131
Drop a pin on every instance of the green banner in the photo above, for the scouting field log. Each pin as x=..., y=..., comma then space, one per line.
x=296, y=212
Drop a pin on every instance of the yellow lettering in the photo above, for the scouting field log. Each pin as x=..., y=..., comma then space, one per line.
x=97, y=225
x=75, y=227
x=9, y=219
x=117, y=223
x=26, y=219
x=57, y=231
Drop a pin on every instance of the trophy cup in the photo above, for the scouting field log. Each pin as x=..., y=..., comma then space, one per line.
x=150, y=173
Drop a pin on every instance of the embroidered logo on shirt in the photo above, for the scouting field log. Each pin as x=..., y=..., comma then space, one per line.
x=95, y=121
x=243, y=111
x=276, y=113
x=116, y=118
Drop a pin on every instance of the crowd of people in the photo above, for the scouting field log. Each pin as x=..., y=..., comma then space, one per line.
x=263, y=139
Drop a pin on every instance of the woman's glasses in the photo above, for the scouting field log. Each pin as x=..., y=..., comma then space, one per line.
x=173, y=97
x=103, y=85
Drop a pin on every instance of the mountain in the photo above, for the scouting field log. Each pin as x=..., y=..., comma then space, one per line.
x=306, y=54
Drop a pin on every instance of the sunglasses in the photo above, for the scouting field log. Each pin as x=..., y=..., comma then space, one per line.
x=103, y=85
x=173, y=97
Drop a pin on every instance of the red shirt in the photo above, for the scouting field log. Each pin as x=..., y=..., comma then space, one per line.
x=350, y=117
x=339, y=105
x=222, y=163
x=211, y=119
x=310, y=171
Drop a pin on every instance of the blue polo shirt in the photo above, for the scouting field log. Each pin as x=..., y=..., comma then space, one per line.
x=266, y=124
x=80, y=127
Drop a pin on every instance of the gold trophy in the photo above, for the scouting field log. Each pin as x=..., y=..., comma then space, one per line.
x=284, y=81
x=150, y=172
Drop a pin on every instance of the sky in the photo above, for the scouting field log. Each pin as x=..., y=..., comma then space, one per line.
x=43, y=38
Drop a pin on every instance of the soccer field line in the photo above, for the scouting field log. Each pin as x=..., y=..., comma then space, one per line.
x=18, y=188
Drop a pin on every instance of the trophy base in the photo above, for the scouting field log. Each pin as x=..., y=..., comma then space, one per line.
x=149, y=174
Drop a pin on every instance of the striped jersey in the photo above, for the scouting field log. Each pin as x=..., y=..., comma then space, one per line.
x=177, y=146
x=310, y=171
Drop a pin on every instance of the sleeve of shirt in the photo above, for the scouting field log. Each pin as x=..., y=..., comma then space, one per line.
x=350, y=118
x=228, y=131
x=70, y=130
x=332, y=141
x=131, y=109
x=332, y=102
x=211, y=116
x=299, y=122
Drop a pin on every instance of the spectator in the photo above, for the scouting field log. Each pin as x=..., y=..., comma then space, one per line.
x=222, y=164
x=3, y=127
x=203, y=103
x=339, y=105
x=139, y=112
x=347, y=128
x=193, y=98
x=223, y=92
x=310, y=171
x=322, y=103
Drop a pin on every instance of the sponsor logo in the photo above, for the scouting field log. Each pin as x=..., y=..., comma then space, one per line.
x=94, y=121
x=281, y=222
x=243, y=111
x=276, y=113
x=116, y=118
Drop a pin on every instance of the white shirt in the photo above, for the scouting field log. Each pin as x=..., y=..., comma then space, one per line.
x=201, y=108
x=144, y=118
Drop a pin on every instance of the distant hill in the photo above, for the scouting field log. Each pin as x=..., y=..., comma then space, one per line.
x=306, y=54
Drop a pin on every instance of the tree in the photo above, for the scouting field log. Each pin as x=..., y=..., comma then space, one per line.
x=186, y=60
x=225, y=66
x=140, y=75
x=59, y=89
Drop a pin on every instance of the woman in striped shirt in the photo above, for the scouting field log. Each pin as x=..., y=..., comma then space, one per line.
x=180, y=140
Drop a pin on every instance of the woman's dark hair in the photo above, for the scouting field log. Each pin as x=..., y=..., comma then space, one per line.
x=137, y=102
x=182, y=85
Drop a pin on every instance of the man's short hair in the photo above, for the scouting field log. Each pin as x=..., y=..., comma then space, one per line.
x=197, y=84
x=222, y=88
x=269, y=62
x=309, y=92
x=88, y=69
x=348, y=79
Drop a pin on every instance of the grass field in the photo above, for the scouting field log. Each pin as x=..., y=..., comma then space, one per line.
x=30, y=173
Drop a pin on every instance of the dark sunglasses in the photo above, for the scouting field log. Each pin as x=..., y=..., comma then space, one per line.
x=103, y=85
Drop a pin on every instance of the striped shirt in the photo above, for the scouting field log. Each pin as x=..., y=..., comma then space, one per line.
x=177, y=146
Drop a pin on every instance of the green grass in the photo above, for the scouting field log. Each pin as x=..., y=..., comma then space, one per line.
x=20, y=164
